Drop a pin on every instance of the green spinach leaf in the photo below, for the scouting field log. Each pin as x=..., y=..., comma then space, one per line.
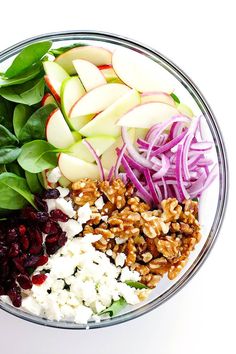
x=14, y=167
x=27, y=57
x=33, y=182
x=21, y=114
x=175, y=98
x=115, y=307
x=38, y=155
x=136, y=284
x=9, y=154
x=28, y=93
x=6, y=112
x=14, y=192
x=29, y=74
x=58, y=51
x=6, y=137
x=34, y=128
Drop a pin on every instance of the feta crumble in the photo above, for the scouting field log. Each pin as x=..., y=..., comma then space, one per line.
x=54, y=175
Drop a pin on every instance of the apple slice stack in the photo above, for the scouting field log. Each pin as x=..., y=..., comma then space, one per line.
x=96, y=92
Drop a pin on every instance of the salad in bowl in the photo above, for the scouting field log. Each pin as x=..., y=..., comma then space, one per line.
x=104, y=164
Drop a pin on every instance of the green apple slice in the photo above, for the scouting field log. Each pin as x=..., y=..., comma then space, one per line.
x=106, y=122
x=185, y=110
x=64, y=182
x=148, y=114
x=89, y=74
x=71, y=90
x=48, y=99
x=99, y=143
x=109, y=157
x=109, y=74
x=157, y=97
x=55, y=75
x=98, y=99
x=140, y=72
x=57, y=131
x=96, y=55
x=73, y=168
x=76, y=135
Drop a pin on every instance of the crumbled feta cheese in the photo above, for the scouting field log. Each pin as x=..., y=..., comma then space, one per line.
x=62, y=267
x=65, y=206
x=127, y=274
x=6, y=299
x=29, y=304
x=83, y=314
x=99, y=203
x=51, y=204
x=104, y=218
x=51, y=308
x=120, y=259
x=63, y=191
x=109, y=252
x=54, y=175
x=84, y=213
x=120, y=240
x=71, y=227
x=128, y=294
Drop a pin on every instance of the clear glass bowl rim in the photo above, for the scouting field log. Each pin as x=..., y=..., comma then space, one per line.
x=221, y=154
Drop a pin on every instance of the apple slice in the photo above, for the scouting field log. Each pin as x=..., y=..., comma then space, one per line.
x=184, y=109
x=96, y=55
x=48, y=99
x=109, y=74
x=89, y=74
x=109, y=157
x=57, y=131
x=73, y=168
x=99, y=143
x=98, y=99
x=148, y=114
x=55, y=75
x=71, y=90
x=106, y=122
x=64, y=182
x=139, y=72
x=157, y=97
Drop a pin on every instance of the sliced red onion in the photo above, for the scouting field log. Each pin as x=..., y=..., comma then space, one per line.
x=168, y=146
x=186, y=147
x=110, y=174
x=118, y=161
x=151, y=186
x=145, y=195
x=96, y=158
x=132, y=151
x=164, y=169
x=181, y=188
x=202, y=146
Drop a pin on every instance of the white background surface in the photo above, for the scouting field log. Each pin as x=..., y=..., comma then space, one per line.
x=199, y=36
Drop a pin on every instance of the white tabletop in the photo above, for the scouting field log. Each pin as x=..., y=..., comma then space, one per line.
x=199, y=37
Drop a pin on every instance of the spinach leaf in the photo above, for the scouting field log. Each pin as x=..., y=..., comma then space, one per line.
x=58, y=51
x=28, y=57
x=6, y=137
x=29, y=93
x=6, y=112
x=38, y=155
x=34, y=128
x=33, y=182
x=21, y=114
x=14, y=167
x=115, y=307
x=29, y=74
x=136, y=284
x=3, y=168
x=175, y=98
x=9, y=154
x=14, y=192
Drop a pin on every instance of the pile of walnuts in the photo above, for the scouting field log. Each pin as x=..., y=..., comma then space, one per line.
x=155, y=241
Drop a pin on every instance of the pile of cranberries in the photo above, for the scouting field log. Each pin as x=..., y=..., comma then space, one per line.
x=27, y=238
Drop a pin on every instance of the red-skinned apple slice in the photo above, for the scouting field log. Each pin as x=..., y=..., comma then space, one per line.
x=48, y=99
x=73, y=168
x=98, y=99
x=57, y=131
x=109, y=74
x=148, y=114
x=55, y=75
x=157, y=97
x=139, y=72
x=89, y=74
x=95, y=55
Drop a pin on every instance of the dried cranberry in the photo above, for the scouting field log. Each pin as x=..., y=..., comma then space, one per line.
x=41, y=216
x=12, y=235
x=3, y=250
x=62, y=239
x=18, y=262
x=14, y=250
x=42, y=260
x=22, y=230
x=31, y=261
x=50, y=227
x=15, y=296
x=39, y=279
x=41, y=204
x=52, y=239
x=4, y=270
x=24, y=242
x=50, y=194
x=36, y=241
x=58, y=215
x=24, y=281
x=52, y=248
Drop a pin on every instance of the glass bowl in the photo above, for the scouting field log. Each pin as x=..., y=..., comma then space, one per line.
x=212, y=203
